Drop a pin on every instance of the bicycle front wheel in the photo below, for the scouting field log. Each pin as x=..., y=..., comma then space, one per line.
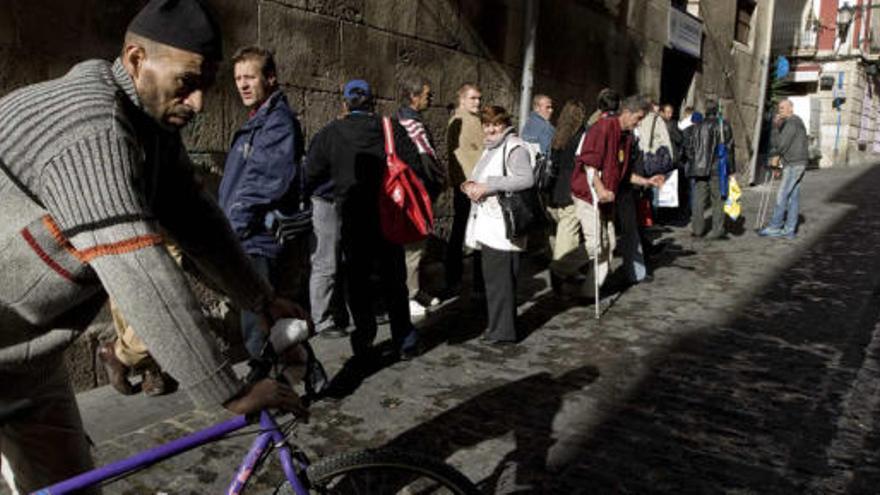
x=387, y=472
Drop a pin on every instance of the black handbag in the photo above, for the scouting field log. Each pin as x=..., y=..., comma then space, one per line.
x=289, y=226
x=659, y=163
x=546, y=173
x=520, y=209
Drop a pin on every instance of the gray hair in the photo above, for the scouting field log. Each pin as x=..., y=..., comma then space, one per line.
x=635, y=103
x=537, y=99
x=412, y=86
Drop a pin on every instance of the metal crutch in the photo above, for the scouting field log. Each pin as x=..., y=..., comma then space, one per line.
x=765, y=201
x=596, y=232
x=759, y=218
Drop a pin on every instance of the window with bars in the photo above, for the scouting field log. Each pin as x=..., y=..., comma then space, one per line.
x=745, y=9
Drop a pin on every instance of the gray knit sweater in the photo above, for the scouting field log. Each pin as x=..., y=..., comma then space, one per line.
x=88, y=180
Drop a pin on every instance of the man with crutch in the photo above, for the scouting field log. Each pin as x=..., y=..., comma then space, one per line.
x=600, y=167
x=791, y=149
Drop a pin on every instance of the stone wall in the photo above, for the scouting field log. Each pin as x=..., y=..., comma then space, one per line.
x=582, y=46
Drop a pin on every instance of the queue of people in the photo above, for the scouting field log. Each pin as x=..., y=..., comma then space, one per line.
x=101, y=199
x=594, y=200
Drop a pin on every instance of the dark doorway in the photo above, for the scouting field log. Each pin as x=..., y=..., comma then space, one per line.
x=676, y=76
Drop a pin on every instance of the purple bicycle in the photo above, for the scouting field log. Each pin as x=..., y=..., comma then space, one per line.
x=375, y=471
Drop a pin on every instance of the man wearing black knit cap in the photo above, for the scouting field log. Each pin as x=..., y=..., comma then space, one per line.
x=94, y=176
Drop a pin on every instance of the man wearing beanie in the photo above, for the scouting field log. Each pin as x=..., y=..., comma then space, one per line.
x=350, y=152
x=93, y=169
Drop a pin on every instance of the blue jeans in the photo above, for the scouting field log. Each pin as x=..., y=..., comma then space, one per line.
x=254, y=337
x=785, y=213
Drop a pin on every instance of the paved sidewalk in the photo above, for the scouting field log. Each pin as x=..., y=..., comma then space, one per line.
x=747, y=366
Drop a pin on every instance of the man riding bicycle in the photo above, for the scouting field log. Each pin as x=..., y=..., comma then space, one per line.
x=94, y=174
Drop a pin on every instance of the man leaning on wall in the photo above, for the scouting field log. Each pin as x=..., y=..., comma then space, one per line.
x=261, y=175
x=464, y=145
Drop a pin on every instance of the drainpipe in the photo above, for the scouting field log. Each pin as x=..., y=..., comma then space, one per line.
x=762, y=94
x=530, y=30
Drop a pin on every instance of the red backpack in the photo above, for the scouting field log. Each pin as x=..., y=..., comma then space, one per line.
x=404, y=207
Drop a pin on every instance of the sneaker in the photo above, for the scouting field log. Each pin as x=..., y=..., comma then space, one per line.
x=416, y=309
x=770, y=232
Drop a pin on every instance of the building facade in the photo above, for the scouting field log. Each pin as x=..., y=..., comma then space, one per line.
x=833, y=48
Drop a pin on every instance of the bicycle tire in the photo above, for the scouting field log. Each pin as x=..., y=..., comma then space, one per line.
x=345, y=467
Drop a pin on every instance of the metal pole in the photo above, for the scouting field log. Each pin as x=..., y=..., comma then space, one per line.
x=530, y=30
x=762, y=94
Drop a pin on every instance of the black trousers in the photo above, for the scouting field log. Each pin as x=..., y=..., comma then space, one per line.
x=454, y=265
x=500, y=272
x=364, y=249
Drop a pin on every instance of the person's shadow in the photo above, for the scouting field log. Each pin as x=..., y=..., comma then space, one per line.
x=526, y=407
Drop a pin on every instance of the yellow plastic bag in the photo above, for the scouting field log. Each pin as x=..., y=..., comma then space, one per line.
x=732, y=206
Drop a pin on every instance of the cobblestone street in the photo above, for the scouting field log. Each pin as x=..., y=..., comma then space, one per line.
x=749, y=366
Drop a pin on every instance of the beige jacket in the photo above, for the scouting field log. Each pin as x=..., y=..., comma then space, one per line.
x=661, y=134
x=464, y=144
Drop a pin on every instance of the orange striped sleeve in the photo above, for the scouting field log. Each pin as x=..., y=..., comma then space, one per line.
x=86, y=255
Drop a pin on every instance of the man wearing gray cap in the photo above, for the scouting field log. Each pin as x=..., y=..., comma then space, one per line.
x=94, y=175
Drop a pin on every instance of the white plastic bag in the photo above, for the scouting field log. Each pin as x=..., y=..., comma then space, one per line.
x=667, y=195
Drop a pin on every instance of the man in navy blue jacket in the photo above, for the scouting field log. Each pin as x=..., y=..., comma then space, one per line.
x=261, y=172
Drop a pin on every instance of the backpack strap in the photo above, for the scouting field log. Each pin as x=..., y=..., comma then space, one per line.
x=504, y=158
x=389, y=136
x=653, y=126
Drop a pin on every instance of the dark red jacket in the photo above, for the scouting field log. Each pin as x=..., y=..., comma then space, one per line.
x=602, y=150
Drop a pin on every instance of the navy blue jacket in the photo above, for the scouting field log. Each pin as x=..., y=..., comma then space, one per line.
x=262, y=173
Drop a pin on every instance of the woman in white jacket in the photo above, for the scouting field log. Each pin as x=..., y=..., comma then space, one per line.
x=505, y=166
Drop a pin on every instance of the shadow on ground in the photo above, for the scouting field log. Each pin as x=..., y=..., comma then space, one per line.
x=770, y=402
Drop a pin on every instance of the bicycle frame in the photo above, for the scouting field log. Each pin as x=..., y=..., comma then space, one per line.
x=269, y=432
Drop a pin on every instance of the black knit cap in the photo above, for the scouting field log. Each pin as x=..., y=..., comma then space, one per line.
x=186, y=24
